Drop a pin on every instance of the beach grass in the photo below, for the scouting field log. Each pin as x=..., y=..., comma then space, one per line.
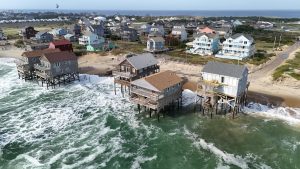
x=290, y=68
x=124, y=47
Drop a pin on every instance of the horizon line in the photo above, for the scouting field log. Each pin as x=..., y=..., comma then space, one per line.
x=162, y=9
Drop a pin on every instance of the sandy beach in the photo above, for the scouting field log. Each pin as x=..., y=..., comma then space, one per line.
x=262, y=88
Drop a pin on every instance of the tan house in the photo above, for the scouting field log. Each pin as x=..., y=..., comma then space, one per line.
x=157, y=91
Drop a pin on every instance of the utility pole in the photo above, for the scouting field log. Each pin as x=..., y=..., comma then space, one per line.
x=274, y=44
x=279, y=40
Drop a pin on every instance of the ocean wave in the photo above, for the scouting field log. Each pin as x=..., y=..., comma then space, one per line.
x=286, y=114
x=226, y=157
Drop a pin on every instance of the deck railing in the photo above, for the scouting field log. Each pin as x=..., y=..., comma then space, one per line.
x=123, y=74
x=145, y=93
x=41, y=68
x=145, y=102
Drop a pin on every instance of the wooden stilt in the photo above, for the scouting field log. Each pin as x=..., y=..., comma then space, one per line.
x=139, y=108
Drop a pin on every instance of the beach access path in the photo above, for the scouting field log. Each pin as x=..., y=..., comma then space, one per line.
x=285, y=92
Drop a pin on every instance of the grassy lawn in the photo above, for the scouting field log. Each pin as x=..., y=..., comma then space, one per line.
x=291, y=68
x=128, y=47
x=181, y=55
x=13, y=32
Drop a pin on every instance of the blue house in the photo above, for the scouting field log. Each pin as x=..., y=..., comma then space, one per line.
x=44, y=37
x=59, y=32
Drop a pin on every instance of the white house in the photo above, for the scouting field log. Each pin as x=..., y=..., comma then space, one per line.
x=237, y=23
x=230, y=79
x=180, y=32
x=205, y=44
x=90, y=38
x=238, y=47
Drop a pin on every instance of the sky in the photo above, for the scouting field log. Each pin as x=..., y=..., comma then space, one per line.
x=153, y=4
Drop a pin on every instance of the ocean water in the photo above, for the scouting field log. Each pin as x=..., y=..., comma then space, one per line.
x=84, y=125
x=205, y=13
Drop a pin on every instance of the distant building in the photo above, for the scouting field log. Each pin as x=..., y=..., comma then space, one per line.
x=264, y=25
x=63, y=45
x=228, y=79
x=157, y=30
x=77, y=30
x=224, y=31
x=89, y=38
x=59, y=32
x=128, y=34
x=238, y=47
x=157, y=91
x=237, y=23
x=70, y=37
x=97, y=29
x=206, y=30
x=205, y=44
x=156, y=44
x=28, y=32
x=145, y=29
x=44, y=37
x=180, y=32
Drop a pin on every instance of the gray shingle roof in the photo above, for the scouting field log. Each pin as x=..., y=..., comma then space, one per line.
x=209, y=35
x=157, y=39
x=240, y=34
x=225, y=69
x=142, y=60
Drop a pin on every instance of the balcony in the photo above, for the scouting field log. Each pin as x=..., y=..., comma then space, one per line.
x=127, y=75
x=23, y=68
x=145, y=102
x=145, y=93
x=41, y=68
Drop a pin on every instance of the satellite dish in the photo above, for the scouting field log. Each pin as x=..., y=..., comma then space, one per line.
x=57, y=6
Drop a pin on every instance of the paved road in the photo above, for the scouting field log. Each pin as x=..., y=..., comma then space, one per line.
x=281, y=57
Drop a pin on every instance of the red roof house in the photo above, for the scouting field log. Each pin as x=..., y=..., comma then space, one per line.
x=207, y=30
x=63, y=45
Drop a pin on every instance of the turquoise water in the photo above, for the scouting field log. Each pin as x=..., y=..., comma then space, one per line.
x=84, y=125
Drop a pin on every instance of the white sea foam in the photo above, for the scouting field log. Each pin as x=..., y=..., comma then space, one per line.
x=226, y=157
x=140, y=160
x=289, y=115
x=188, y=97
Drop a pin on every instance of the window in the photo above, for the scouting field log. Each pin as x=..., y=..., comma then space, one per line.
x=245, y=42
x=222, y=79
x=122, y=68
x=57, y=64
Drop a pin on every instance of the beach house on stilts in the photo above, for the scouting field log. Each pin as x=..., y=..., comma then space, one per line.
x=25, y=64
x=133, y=67
x=157, y=91
x=223, y=87
x=56, y=68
